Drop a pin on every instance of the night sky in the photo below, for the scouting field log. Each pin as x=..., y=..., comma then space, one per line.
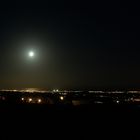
x=76, y=45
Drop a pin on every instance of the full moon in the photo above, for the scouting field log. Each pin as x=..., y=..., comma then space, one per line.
x=31, y=54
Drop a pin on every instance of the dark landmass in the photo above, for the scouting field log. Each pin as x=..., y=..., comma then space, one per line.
x=74, y=101
x=73, y=115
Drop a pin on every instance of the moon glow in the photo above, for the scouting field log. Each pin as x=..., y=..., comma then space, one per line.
x=31, y=54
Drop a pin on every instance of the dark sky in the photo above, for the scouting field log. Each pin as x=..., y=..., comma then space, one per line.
x=77, y=45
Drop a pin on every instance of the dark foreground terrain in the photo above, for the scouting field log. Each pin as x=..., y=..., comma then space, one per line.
x=63, y=121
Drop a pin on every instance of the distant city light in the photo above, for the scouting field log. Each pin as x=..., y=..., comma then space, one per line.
x=22, y=99
x=61, y=98
x=117, y=101
x=39, y=100
x=30, y=99
x=137, y=100
x=3, y=98
x=55, y=90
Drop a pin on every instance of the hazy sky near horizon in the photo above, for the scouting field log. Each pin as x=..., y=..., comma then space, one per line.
x=77, y=44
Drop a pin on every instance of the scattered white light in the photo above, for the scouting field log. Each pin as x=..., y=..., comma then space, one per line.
x=22, y=99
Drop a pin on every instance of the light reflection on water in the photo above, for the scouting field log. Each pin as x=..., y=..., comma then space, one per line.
x=32, y=89
x=26, y=90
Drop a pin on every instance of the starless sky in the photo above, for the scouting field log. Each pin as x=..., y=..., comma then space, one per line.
x=77, y=45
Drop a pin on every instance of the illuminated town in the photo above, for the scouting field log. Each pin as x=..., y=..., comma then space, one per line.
x=74, y=98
